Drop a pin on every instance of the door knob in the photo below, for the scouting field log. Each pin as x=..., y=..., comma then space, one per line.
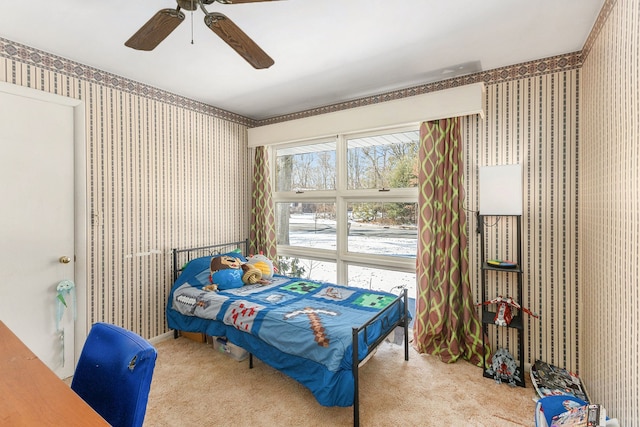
x=65, y=259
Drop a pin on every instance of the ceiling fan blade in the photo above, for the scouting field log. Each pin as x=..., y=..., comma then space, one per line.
x=241, y=1
x=238, y=40
x=155, y=30
x=235, y=1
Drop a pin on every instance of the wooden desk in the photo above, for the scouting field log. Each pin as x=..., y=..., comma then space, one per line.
x=32, y=395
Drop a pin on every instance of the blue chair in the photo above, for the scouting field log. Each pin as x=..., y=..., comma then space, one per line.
x=114, y=374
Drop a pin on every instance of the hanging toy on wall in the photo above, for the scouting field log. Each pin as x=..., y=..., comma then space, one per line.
x=65, y=288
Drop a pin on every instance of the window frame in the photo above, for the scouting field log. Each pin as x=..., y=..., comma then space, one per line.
x=342, y=196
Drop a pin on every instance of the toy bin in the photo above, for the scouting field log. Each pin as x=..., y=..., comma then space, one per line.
x=222, y=345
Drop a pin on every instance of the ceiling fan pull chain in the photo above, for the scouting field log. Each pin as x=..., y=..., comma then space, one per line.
x=192, y=21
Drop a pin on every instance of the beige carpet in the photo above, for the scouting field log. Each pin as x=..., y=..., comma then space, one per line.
x=195, y=385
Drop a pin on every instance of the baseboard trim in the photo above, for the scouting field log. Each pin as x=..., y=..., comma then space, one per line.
x=160, y=338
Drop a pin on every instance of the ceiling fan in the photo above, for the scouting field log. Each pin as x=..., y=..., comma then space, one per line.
x=166, y=20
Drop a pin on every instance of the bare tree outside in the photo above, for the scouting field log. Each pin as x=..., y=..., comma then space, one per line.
x=382, y=163
x=326, y=170
x=284, y=174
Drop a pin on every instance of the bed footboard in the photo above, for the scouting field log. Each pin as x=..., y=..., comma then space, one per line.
x=403, y=321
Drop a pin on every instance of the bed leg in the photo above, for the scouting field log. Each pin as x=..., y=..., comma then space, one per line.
x=250, y=360
x=354, y=371
x=406, y=326
x=175, y=334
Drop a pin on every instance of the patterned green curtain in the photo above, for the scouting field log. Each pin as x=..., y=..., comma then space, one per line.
x=262, y=238
x=446, y=323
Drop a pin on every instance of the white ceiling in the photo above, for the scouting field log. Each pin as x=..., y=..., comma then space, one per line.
x=325, y=51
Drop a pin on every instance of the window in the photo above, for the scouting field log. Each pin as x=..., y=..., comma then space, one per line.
x=306, y=167
x=379, y=279
x=346, y=208
x=311, y=225
x=308, y=268
x=382, y=228
x=383, y=161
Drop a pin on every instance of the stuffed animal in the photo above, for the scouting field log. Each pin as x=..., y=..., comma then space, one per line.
x=226, y=273
x=252, y=275
x=230, y=272
x=264, y=264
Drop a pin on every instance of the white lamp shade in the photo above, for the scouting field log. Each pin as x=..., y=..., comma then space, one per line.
x=501, y=190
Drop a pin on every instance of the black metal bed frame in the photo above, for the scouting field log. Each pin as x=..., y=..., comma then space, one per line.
x=212, y=250
x=209, y=250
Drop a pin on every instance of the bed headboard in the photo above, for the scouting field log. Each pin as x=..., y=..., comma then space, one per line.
x=182, y=256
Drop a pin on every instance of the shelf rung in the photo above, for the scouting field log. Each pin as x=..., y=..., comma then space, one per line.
x=488, y=316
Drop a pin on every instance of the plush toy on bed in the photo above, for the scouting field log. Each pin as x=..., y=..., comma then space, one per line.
x=264, y=264
x=229, y=272
x=251, y=275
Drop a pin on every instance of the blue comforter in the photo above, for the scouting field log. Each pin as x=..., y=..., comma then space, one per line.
x=301, y=327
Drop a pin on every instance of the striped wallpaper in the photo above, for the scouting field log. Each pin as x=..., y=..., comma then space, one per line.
x=533, y=122
x=609, y=204
x=162, y=172
x=167, y=177
x=165, y=171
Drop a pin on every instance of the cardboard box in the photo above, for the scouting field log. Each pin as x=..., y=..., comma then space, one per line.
x=194, y=336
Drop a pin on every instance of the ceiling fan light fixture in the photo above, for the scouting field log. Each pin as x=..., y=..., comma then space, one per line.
x=190, y=5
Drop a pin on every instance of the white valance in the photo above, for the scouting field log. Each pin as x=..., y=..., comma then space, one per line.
x=454, y=102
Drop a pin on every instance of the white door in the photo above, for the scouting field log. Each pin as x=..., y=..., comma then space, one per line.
x=37, y=223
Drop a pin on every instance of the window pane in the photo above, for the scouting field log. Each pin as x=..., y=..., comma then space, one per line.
x=310, y=225
x=306, y=168
x=383, y=228
x=307, y=269
x=382, y=280
x=383, y=161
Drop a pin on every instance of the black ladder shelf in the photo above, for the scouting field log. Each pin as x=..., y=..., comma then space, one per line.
x=488, y=315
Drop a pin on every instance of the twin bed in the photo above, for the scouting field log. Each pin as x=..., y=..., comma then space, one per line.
x=315, y=332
